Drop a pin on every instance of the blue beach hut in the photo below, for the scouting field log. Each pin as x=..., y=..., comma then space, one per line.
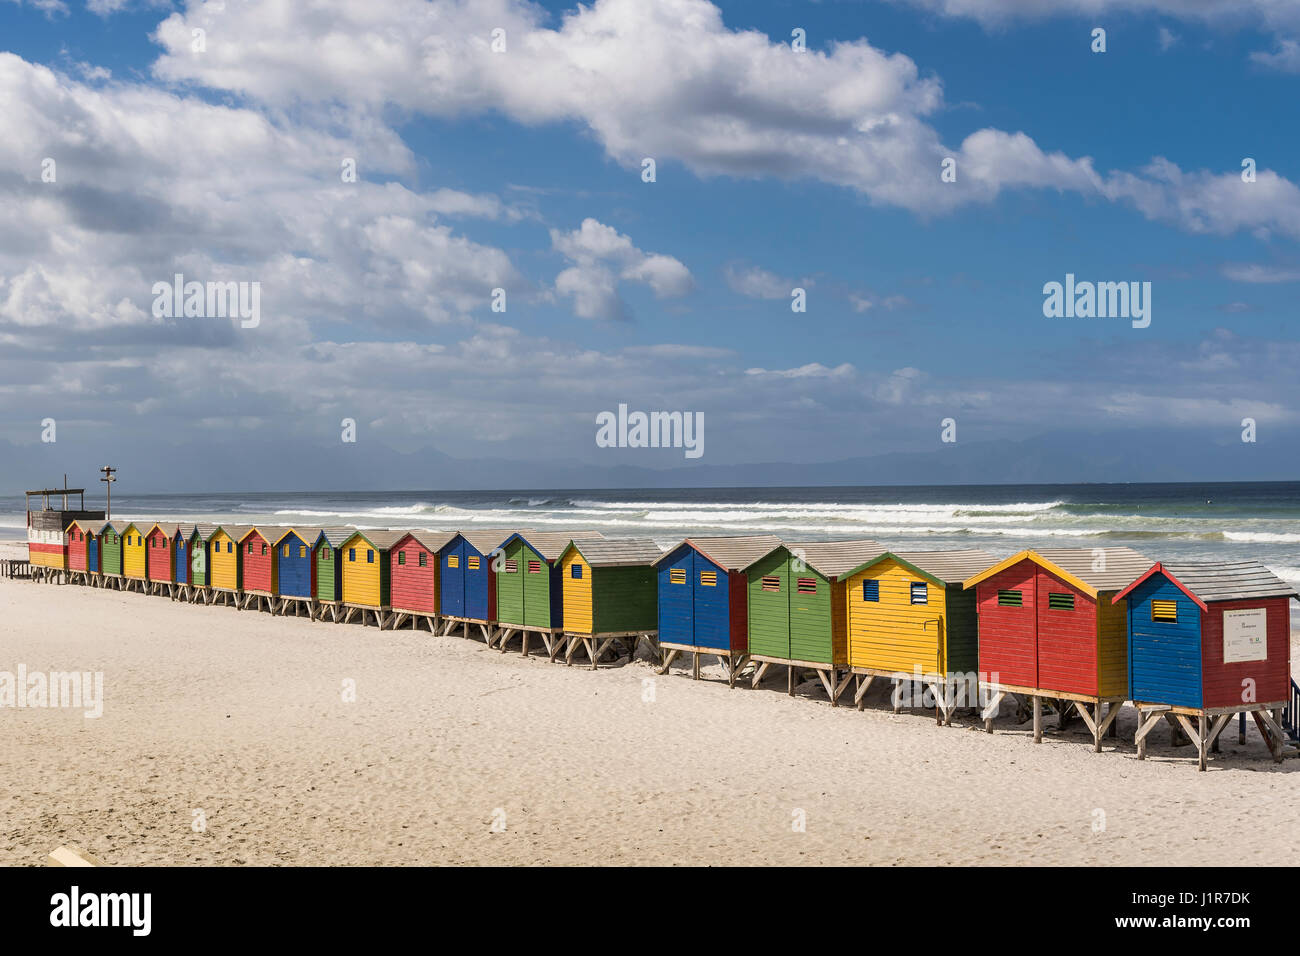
x=703, y=601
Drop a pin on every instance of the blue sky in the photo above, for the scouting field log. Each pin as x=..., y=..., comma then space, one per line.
x=774, y=170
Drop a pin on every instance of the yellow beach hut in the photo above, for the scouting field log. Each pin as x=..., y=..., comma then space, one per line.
x=223, y=564
x=909, y=614
x=134, y=569
x=367, y=575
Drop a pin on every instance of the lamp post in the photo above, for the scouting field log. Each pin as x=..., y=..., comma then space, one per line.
x=108, y=480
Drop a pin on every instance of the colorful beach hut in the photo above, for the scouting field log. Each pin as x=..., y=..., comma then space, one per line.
x=530, y=590
x=703, y=604
x=199, y=551
x=110, y=554
x=1048, y=628
x=225, y=560
x=796, y=610
x=1208, y=640
x=295, y=570
x=415, y=578
x=135, y=570
x=160, y=559
x=182, y=558
x=467, y=589
x=909, y=616
x=327, y=550
x=611, y=593
x=257, y=578
x=82, y=553
x=367, y=576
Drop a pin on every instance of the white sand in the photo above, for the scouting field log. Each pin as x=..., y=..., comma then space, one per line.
x=240, y=714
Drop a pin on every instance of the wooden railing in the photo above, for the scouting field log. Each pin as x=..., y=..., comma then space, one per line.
x=1291, y=714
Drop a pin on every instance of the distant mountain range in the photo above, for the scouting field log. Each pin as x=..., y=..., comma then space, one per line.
x=1156, y=455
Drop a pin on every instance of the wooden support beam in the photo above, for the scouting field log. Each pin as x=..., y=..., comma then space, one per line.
x=1038, y=719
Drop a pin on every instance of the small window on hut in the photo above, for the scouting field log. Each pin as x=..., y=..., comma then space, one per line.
x=285, y=553
x=676, y=575
x=401, y=557
x=1060, y=602
x=512, y=567
x=453, y=560
x=1166, y=611
x=370, y=556
x=352, y=554
x=871, y=590
x=920, y=593
x=263, y=550
x=806, y=585
x=534, y=567
x=424, y=560
x=1011, y=599
x=250, y=547
x=180, y=544
x=575, y=572
x=230, y=547
x=472, y=562
x=771, y=583
x=709, y=579
x=302, y=551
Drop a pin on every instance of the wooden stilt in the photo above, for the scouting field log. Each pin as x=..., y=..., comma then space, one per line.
x=1038, y=719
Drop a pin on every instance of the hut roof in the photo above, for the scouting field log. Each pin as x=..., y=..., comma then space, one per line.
x=306, y=535
x=431, y=540
x=551, y=544
x=832, y=559
x=269, y=533
x=617, y=552
x=236, y=532
x=380, y=538
x=1206, y=581
x=168, y=528
x=334, y=536
x=185, y=530
x=486, y=540
x=941, y=567
x=1120, y=567
x=206, y=531
x=733, y=552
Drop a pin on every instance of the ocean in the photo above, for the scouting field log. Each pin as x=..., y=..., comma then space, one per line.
x=1259, y=520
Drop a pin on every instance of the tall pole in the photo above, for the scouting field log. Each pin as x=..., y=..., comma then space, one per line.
x=108, y=480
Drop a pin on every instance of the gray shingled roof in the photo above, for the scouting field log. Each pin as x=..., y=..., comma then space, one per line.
x=382, y=539
x=335, y=536
x=430, y=540
x=270, y=532
x=618, y=552
x=733, y=552
x=833, y=558
x=1228, y=580
x=487, y=540
x=236, y=531
x=551, y=544
x=950, y=567
x=205, y=531
x=1122, y=566
x=185, y=530
x=309, y=535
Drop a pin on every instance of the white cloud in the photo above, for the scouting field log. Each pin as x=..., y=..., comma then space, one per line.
x=602, y=257
x=1166, y=38
x=1255, y=273
x=758, y=283
x=670, y=80
x=1285, y=57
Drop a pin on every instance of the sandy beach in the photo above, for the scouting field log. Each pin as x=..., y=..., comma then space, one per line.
x=242, y=716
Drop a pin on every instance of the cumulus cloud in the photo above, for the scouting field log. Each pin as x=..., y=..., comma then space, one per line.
x=142, y=188
x=670, y=80
x=603, y=257
x=758, y=283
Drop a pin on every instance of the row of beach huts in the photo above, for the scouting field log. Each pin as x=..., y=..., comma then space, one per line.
x=1078, y=632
